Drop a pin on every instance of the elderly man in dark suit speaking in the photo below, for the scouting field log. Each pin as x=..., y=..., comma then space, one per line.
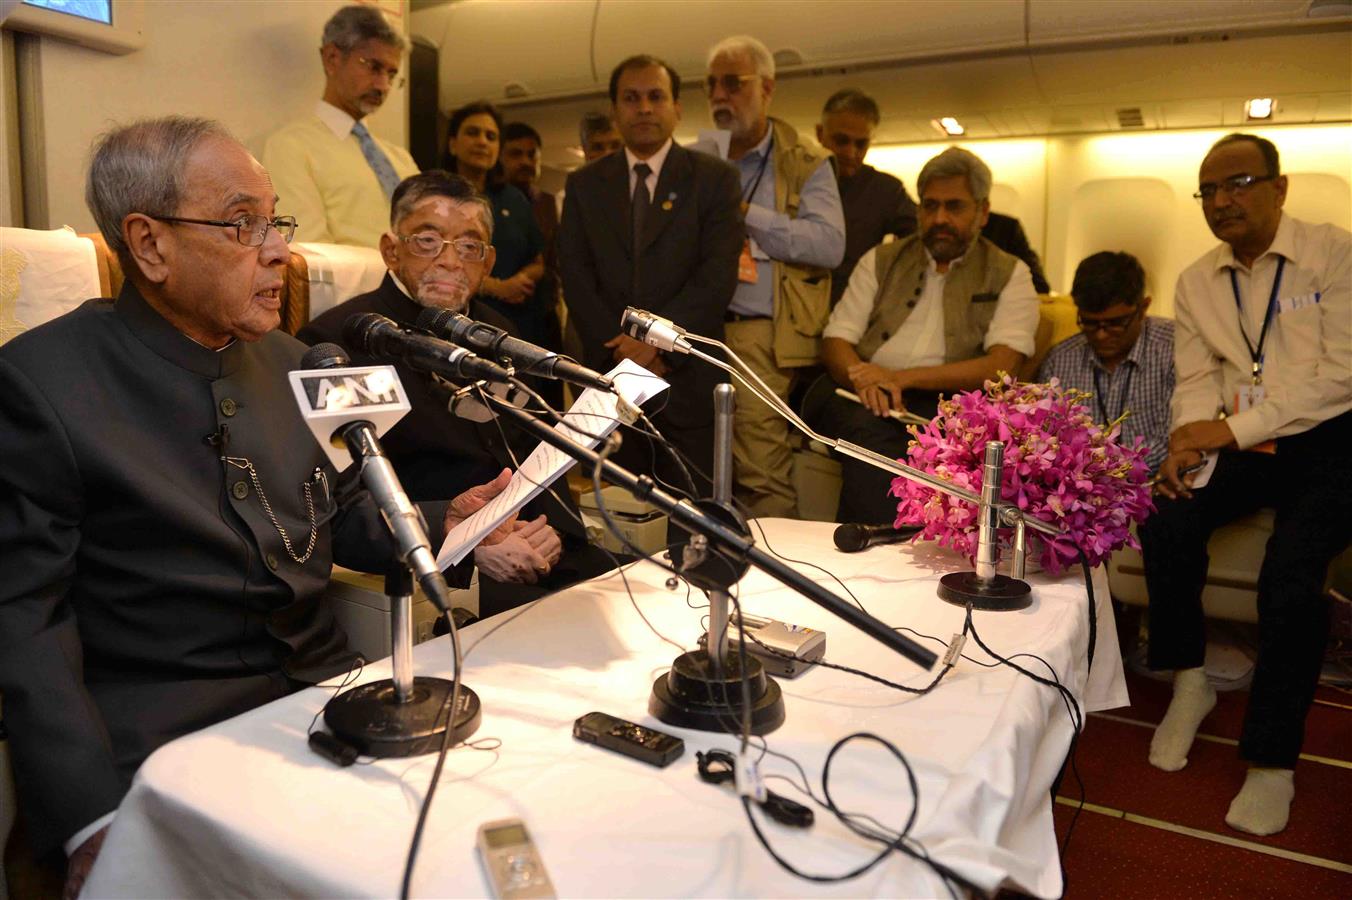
x=168, y=522
x=659, y=227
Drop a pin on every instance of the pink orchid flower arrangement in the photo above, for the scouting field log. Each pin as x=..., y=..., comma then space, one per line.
x=1059, y=466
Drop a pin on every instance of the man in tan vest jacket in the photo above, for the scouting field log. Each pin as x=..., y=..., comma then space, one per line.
x=941, y=310
x=795, y=237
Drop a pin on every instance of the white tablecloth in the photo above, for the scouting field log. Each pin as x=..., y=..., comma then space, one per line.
x=245, y=809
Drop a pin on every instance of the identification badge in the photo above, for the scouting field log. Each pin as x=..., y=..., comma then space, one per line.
x=746, y=266
x=1247, y=397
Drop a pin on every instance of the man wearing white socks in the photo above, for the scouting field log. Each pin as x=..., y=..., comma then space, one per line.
x=1263, y=353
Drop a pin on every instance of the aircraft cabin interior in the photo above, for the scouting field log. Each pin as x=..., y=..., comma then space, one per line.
x=1096, y=121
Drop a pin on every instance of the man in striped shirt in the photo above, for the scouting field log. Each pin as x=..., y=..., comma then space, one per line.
x=1122, y=356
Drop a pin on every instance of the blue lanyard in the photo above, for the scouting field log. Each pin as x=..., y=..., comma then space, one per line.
x=1256, y=353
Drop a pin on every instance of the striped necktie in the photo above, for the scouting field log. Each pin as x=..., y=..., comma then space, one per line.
x=379, y=162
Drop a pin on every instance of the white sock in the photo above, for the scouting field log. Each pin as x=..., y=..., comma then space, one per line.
x=1194, y=697
x=1263, y=805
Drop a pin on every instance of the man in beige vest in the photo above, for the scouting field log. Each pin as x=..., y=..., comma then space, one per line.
x=795, y=237
x=940, y=311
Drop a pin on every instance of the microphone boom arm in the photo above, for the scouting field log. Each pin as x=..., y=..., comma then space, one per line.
x=1009, y=513
x=728, y=540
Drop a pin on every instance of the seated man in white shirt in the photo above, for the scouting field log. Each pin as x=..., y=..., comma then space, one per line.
x=941, y=310
x=1264, y=360
x=328, y=169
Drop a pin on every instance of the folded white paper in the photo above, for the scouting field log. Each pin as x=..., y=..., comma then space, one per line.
x=595, y=413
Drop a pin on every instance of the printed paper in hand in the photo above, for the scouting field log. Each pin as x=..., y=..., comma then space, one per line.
x=594, y=413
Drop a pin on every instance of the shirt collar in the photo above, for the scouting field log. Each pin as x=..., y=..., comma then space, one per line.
x=1283, y=244
x=933, y=268
x=764, y=146
x=337, y=121
x=654, y=162
x=153, y=330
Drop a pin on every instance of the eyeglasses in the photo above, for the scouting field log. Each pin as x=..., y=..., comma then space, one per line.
x=731, y=83
x=1114, y=325
x=1235, y=186
x=251, y=231
x=429, y=244
x=378, y=68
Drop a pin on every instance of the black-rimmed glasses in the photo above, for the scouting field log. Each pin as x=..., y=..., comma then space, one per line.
x=378, y=68
x=731, y=83
x=1114, y=325
x=251, y=231
x=1235, y=185
x=429, y=244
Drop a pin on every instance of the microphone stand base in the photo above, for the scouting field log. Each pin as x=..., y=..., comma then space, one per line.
x=371, y=718
x=692, y=696
x=998, y=594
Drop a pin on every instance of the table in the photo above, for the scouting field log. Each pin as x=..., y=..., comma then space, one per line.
x=245, y=809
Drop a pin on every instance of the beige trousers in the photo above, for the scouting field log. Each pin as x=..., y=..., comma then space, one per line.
x=760, y=446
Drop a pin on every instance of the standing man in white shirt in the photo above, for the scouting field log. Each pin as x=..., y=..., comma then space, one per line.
x=1263, y=353
x=328, y=168
x=940, y=310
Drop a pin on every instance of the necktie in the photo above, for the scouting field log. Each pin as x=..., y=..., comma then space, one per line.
x=638, y=212
x=376, y=158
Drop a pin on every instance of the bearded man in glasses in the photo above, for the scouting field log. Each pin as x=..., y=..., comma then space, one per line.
x=438, y=250
x=1122, y=356
x=333, y=173
x=168, y=522
x=1264, y=361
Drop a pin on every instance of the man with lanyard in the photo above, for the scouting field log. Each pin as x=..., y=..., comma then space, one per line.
x=1122, y=356
x=795, y=236
x=1264, y=365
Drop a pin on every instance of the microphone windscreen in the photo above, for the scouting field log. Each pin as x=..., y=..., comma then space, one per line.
x=434, y=320
x=324, y=356
x=359, y=330
x=851, y=538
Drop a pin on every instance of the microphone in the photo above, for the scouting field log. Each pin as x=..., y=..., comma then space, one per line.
x=654, y=330
x=494, y=343
x=377, y=335
x=378, y=477
x=853, y=538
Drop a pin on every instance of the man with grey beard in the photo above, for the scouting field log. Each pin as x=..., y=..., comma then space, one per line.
x=438, y=249
x=942, y=310
x=328, y=168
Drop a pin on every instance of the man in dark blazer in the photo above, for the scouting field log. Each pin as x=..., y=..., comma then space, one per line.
x=658, y=227
x=168, y=522
x=1006, y=232
x=438, y=250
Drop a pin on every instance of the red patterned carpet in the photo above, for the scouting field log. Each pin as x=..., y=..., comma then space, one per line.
x=1154, y=834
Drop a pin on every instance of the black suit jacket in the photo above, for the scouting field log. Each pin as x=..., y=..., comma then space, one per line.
x=686, y=259
x=145, y=590
x=435, y=454
x=1006, y=232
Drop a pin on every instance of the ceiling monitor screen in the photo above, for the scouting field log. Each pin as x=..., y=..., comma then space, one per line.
x=113, y=26
x=93, y=10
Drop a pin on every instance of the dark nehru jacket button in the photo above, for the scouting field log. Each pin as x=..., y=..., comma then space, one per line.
x=240, y=489
x=272, y=561
x=228, y=407
x=910, y=304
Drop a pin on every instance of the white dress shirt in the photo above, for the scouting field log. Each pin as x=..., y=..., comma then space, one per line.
x=1307, y=357
x=654, y=162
